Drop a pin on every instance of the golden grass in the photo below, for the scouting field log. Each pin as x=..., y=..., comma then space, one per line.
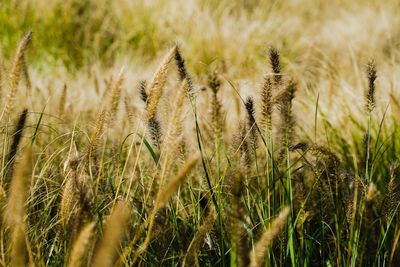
x=272, y=126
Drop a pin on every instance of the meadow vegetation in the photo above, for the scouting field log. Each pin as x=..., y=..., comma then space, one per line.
x=207, y=133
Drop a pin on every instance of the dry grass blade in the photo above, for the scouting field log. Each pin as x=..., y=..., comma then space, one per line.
x=258, y=254
x=113, y=234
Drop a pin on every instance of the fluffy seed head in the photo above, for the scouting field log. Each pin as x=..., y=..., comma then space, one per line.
x=370, y=95
x=15, y=209
x=15, y=74
x=175, y=182
x=266, y=95
x=214, y=82
x=113, y=234
x=155, y=88
x=17, y=139
x=142, y=91
x=258, y=254
x=97, y=134
x=275, y=63
x=115, y=98
x=63, y=98
x=80, y=245
x=183, y=74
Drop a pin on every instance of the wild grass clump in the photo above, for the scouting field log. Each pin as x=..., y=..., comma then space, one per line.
x=177, y=178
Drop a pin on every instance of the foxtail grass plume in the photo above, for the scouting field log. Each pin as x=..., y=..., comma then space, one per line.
x=242, y=144
x=108, y=87
x=17, y=135
x=239, y=240
x=80, y=245
x=155, y=87
x=198, y=239
x=155, y=131
x=142, y=91
x=173, y=185
x=153, y=124
x=175, y=127
x=17, y=67
x=370, y=95
x=96, y=84
x=130, y=109
x=249, y=104
x=182, y=71
x=266, y=97
x=26, y=75
x=392, y=197
x=286, y=113
x=258, y=254
x=115, y=98
x=15, y=209
x=97, y=134
x=77, y=200
x=63, y=98
x=214, y=83
x=164, y=195
x=70, y=200
x=275, y=64
x=115, y=228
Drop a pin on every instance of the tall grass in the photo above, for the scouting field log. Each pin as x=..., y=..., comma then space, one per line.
x=269, y=156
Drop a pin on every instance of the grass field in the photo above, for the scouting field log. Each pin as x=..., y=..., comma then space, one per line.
x=206, y=133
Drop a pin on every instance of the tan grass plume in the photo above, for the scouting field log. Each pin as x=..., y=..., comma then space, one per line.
x=173, y=185
x=15, y=74
x=115, y=98
x=198, y=240
x=113, y=234
x=69, y=201
x=155, y=88
x=63, y=98
x=258, y=254
x=175, y=126
x=163, y=196
x=98, y=132
x=15, y=209
x=80, y=245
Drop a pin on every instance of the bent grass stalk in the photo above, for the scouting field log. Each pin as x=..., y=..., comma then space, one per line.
x=161, y=199
x=258, y=253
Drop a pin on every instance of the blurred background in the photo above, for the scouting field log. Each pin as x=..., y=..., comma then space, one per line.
x=80, y=32
x=324, y=45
